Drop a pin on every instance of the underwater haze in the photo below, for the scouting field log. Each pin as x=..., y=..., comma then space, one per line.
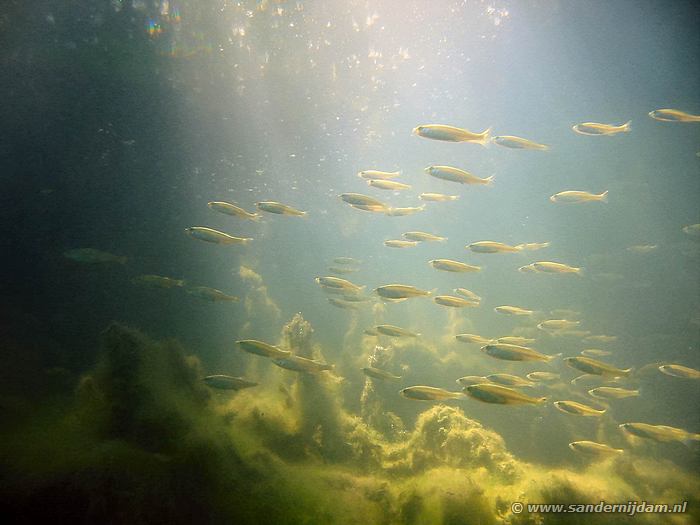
x=386, y=262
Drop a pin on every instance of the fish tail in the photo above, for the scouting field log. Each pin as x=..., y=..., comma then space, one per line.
x=489, y=180
x=485, y=139
x=181, y=283
x=603, y=197
x=626, y=126
x=542, y=400
x=257, y=217
x=580, y=272
x=555, y=356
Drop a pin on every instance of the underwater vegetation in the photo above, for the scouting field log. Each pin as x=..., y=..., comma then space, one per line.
x=143, y=440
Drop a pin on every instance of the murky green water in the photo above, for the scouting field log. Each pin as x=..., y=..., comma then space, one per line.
x=123, y=120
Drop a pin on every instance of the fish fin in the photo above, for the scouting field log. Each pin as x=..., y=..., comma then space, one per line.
x=486, y=139
x=626, y=126
x=555, y=356
x=257, y=217
x=603, y=197
x=580, y=272
x=691, y=440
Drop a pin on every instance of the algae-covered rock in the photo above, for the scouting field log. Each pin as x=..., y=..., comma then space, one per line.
x=445, y=436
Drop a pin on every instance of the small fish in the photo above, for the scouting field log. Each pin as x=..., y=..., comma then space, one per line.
x=340, y=303
x=468, y=294
x=400, y=212
x=595, y=352
x=542, y=377
x=377, y=373
x=595, y=128
x=224, y=382
x=508, y=352
x=400, y=291
x=297, y=363
x=602, y=338
x=279, y=209
x=454, y=302
x=437, y=197
x=378, y=175
x=347, y=261
x=471, y=380
x=342, y=270
x=575, y=197
x=591, y=366
x=659, y=433
x=515, y=340
x=680, y=371
x=509, y=380
x=158, y=281
x=577, y=409
x=394, y=331
x=609, y=392
x=451, y=134
x=493, y=247
x=588, y=380
x=528, y=268
x=211, y=294
x=691, y=229
x=513, y=310
x=234, y=211
x=358, y=199
x=423, y=237
x=399, y=243
x=491, y=393
x=372, y=208
x=472, y=338
x=388, y=185
x=532, y=246
x=93, y=256
x=592, y=448
x=642, y=248
x=554, y=267
x=429, y=393
x=253, y=346
x=448, y=265
x=510, y=141
x=557, y=324
x=215, y=236
x=451, y=174
x=338, y=283
x=566, y=313
x=673, y=115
